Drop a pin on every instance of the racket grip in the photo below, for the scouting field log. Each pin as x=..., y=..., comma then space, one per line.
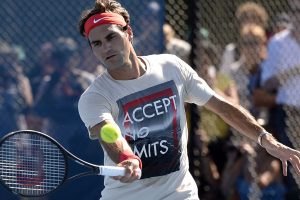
x=114, y=171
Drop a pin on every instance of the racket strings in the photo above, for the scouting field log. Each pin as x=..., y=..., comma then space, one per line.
x=31, y=165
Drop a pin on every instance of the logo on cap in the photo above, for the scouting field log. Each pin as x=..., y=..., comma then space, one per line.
x=98, y=20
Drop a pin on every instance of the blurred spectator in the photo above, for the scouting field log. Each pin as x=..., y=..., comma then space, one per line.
x=246, y=71
x=280, y=74
x=209, y=176
x=214, y=126
x=149, y=39
x=89, y=62
x=253, y=13
x=60, y=87
x=212, y=132
x=251, y=173
x=15, y=91
x=247, y=74
x=175, y=45
x=43, y=66
x=281, y=22
x=56, y=103
x=246, y=13
x=15, y=96
x=280, y=69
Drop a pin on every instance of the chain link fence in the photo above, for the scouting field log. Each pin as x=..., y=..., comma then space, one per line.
x=30, y=24
x=219, y=45
x=257, y=51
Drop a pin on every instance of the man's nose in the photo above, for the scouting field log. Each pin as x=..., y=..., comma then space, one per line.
x=106, y=46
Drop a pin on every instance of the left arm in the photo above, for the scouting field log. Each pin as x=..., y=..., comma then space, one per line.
x=240, y=119
x=236, y=116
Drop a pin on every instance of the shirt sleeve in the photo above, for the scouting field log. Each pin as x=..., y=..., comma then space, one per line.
x=94, y=108
x=196, y=90
x=270, y=65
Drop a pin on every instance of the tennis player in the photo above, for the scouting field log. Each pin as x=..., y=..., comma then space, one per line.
x=145, y=96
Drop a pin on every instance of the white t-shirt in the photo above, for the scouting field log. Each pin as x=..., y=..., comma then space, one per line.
x=151, y=116
x=283, y=54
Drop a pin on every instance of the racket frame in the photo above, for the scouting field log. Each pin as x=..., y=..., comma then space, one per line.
x=94, y=169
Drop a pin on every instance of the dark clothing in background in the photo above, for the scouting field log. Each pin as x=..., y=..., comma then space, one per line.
x=56, y=102
x=12, y=100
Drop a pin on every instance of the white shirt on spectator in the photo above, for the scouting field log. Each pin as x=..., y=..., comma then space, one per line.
x=283, y=55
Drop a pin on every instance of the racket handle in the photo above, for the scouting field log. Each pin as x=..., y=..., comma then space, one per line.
x=114, y=171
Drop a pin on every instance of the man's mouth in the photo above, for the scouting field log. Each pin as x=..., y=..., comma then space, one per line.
x=108, y=57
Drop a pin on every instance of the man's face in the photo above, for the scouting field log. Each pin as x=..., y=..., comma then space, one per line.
x=110, y=45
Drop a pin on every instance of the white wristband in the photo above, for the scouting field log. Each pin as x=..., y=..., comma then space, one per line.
x=261, y=135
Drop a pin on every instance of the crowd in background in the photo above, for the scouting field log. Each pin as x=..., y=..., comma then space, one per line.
x=45, y=99
x=260, y=71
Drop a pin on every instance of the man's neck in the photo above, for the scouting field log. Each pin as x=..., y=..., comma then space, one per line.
x=134, y=69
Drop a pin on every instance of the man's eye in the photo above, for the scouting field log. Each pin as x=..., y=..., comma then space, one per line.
x=110, y=37
x=96, y=44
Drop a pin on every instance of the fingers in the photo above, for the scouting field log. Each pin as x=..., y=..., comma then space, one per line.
x=284, y=167
x=297, y=153
x=131, y=171
x=130, y=175
x=295, y=161
x=285, y=153
x=293, y=156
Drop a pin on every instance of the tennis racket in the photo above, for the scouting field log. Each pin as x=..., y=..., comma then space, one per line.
x=34, y=164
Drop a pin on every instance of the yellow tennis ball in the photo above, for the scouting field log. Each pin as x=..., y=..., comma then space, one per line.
x=110, y=133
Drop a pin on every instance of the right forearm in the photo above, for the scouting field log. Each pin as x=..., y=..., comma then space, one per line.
x=120, y=153
x=113, y=150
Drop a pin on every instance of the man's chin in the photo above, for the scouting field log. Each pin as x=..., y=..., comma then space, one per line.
x=113, y=67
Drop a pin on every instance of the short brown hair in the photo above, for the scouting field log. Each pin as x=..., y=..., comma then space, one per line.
x=253, y=12
x=102, y=6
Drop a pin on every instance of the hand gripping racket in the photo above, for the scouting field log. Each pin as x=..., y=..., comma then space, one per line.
x=34, y=164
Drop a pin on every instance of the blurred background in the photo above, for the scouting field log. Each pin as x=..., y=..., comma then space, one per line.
x=248, y=51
